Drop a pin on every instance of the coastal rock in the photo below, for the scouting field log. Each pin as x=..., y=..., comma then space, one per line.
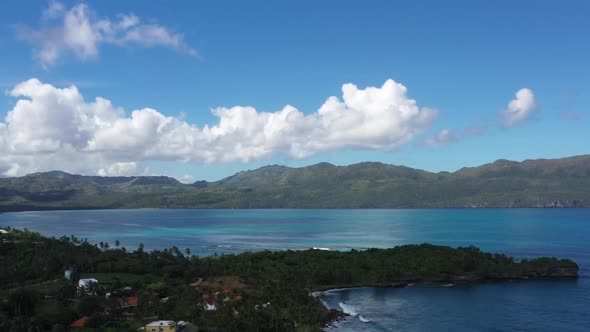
x=516, y=274
x=563, y=272
x=561, y=204
x=466, y=277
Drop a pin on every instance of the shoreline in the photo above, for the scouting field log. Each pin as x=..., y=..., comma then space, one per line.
x=409, y=283
x=338, y=315
x=9, y=209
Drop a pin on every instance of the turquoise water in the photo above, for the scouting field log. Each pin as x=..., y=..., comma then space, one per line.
x=529, y=306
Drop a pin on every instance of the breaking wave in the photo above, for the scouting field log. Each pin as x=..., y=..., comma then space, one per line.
x=353, y=311
x=348, y=309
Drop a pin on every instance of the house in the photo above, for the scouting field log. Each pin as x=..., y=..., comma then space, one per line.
x=128, y=302
x=79, y=323
x=186, y=327
x=210, y=301
x=87, y=285
x=161, y=326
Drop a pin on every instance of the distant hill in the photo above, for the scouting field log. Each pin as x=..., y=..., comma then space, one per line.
x=503, y=183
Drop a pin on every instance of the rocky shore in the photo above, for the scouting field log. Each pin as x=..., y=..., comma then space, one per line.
x=542, y=273
x=553, y=273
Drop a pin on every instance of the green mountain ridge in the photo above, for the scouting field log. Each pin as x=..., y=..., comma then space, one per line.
x=531, y=183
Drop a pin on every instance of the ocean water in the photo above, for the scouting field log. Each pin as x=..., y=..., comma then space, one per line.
x=512, y=306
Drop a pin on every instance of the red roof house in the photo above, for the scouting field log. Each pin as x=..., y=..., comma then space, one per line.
x=80, y=322
x=129, y=302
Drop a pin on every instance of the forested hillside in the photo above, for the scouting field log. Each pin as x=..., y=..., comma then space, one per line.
x=531, y=183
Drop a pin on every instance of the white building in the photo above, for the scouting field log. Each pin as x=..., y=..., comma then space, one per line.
x=85, y=285
x=209, y=307
x=161, y=326
x=68, y=273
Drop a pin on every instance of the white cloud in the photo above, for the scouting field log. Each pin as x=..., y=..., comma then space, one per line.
x=78, y=30
x=442, y=138
x=449, y=136
x=187, y=178
x=519, y=109
x=55, y=10
x=55, y=128
x=120, y=169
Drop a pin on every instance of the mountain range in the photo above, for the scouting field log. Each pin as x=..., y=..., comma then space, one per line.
x=532, y=183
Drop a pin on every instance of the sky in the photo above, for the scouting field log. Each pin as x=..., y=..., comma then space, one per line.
x=203, y=89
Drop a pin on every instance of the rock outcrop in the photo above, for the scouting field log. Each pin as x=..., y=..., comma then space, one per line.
x=561, y=204
x=565, y=272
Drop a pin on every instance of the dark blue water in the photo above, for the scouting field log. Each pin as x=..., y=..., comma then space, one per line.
x=524, y=306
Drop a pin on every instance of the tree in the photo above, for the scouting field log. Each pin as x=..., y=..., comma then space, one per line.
x=117, y=243
x=140, y=248
x=89, y=305
x=22, y=301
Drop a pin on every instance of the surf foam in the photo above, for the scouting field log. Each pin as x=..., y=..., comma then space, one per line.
x=348, y=309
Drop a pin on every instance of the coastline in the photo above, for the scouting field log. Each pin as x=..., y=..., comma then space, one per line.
x=409, y=283
x=556, y=274
x=337, y=315
x=12, y=209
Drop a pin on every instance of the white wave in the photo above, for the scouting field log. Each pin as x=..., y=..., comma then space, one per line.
x=336, y=290
x=363, y=319
x=410, y=284
x=348, y=309
x=319, y=295
x=90, y=221
x=448, y=285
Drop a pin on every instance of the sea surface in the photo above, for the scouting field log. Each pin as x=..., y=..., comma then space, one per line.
x=511, y=306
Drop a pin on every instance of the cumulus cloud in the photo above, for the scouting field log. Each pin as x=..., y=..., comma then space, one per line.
x=80, y=31
x=519, y=109
x=187, y=178
x=56, y=128
x=120, y=169
x=449, y=136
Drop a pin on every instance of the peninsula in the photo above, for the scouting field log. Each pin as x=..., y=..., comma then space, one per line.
x=41, y=282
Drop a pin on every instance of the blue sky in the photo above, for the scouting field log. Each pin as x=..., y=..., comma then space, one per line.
x=465, y=59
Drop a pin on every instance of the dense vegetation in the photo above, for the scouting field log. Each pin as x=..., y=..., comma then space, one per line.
x=36, y=296
x=532, y=183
